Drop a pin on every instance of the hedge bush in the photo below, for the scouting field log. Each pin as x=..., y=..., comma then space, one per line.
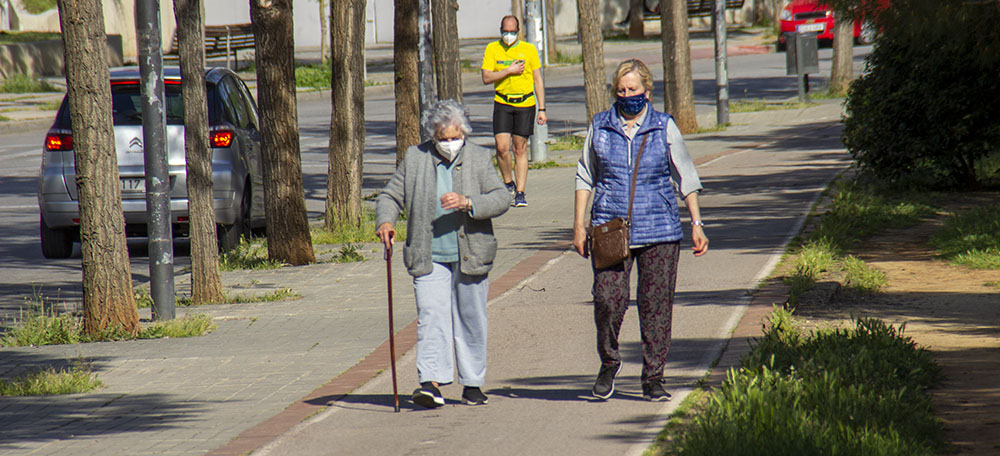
x=924, y=112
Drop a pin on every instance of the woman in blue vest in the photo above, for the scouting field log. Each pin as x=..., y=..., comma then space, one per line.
x=605, y=169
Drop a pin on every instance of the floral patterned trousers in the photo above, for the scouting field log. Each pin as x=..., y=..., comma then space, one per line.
x=657, y=279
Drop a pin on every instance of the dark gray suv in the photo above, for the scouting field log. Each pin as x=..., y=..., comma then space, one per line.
x=236, y=161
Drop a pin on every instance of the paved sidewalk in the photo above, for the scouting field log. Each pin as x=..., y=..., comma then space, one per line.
x=190, y=396
x=269, y=366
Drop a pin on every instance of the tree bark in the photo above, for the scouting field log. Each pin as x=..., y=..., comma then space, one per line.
x=206, y=285
x=516, y=10
x=842, y=72
x=324, y=32
x=407, y=89
x=347, y=118
x=636, y=13
x=447, y=70
x=108, y=301
x=551, y=40
x=592, y=46
x=678, y=96
x=288, y=238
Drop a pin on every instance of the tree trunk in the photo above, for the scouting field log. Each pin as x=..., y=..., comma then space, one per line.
x=108, y=301
x=324, y=32
x=516, y=10
x=288, y=238
x=347, y=119
x=206, y=285
x=446, y=66
x=842, y=72
x=551, y=41
x=407, y=90
x=592, y=46
x=678, y=96
x=636, y=13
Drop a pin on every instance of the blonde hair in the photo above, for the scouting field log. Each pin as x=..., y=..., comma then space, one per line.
x=629, y=66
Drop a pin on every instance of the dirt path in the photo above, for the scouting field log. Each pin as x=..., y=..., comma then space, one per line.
x=951, y=310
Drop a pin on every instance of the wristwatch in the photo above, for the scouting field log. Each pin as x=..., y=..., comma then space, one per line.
x=697, y=223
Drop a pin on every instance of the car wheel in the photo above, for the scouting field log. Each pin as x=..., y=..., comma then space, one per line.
x=56, y=242
x=231, y=235
x=867, y=35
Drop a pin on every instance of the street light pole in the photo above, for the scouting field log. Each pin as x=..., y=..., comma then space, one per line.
x=533, y=34
x=721, y=72
x=158, y=219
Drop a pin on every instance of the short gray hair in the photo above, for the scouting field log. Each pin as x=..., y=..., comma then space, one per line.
x=445, y=113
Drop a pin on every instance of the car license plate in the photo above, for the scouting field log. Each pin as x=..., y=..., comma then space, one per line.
x=130, y=185
x=818, y=27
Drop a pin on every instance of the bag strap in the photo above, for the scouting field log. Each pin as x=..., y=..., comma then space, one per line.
x=635, y=174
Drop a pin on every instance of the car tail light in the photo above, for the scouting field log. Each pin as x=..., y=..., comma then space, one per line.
x=58, y=141
x=221, y=138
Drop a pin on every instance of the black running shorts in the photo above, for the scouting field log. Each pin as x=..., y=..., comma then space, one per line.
x=510, y=119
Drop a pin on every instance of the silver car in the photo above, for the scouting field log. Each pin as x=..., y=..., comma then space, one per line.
x=236, y=161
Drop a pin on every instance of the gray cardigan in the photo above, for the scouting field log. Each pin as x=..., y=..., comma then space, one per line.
x=414, y=188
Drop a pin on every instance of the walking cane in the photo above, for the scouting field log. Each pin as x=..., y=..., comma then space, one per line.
x=392, y=333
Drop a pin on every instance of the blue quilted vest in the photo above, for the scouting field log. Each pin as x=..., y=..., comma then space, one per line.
x=655, y=217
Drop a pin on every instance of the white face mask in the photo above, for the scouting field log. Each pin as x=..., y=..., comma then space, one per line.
x=449, y=149
x=509, y=37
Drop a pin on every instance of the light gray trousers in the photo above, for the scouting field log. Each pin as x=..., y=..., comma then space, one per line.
x=451, y=325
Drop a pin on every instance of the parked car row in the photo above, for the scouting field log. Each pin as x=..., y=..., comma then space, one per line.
x=234, y=138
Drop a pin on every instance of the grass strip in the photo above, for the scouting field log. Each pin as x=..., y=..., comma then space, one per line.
x=19, y=83
x=40, y=329
x=971, y=238
x=849, y=391
x=49, y=381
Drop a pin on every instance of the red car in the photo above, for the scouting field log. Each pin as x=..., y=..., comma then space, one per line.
x=814, y=16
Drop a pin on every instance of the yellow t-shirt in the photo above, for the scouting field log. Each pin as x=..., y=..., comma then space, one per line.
x=497, y=57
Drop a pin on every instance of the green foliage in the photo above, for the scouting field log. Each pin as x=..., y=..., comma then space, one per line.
x=8, y=37
x=76, y=379
x=754, y=105
x=861, y=208
x=543, y=165
x=348, y=254
x=348, y=233
x=568, y=59
x=41, y=329
x=859, y=391
x=316, y=76
x=923, y=111
x=567, y=142
x=971, y=238
x=38, y=6
x=20, y=83
x=861, y=277
x=250, y=254
x=814, y=258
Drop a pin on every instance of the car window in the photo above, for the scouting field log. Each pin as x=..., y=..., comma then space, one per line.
x=126, y=104
x=251, y=106
x=234, y=103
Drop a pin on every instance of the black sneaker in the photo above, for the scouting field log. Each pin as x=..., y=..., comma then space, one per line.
x=653, y=391
x=472, y=395
x=519, y=200
x=428, y=396
x=604, y=387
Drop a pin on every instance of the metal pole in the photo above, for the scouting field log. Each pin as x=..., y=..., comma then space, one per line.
x=721, y=72
x=803, y=96
x=158, y=219
x=533, y=34
x=545, y=33
x=425, y=62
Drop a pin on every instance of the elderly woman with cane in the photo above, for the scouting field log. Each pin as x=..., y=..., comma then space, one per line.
x=633, y=160
x=449, y=191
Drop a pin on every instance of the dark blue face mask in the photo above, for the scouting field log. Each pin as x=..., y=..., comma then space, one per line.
x=632, y=105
